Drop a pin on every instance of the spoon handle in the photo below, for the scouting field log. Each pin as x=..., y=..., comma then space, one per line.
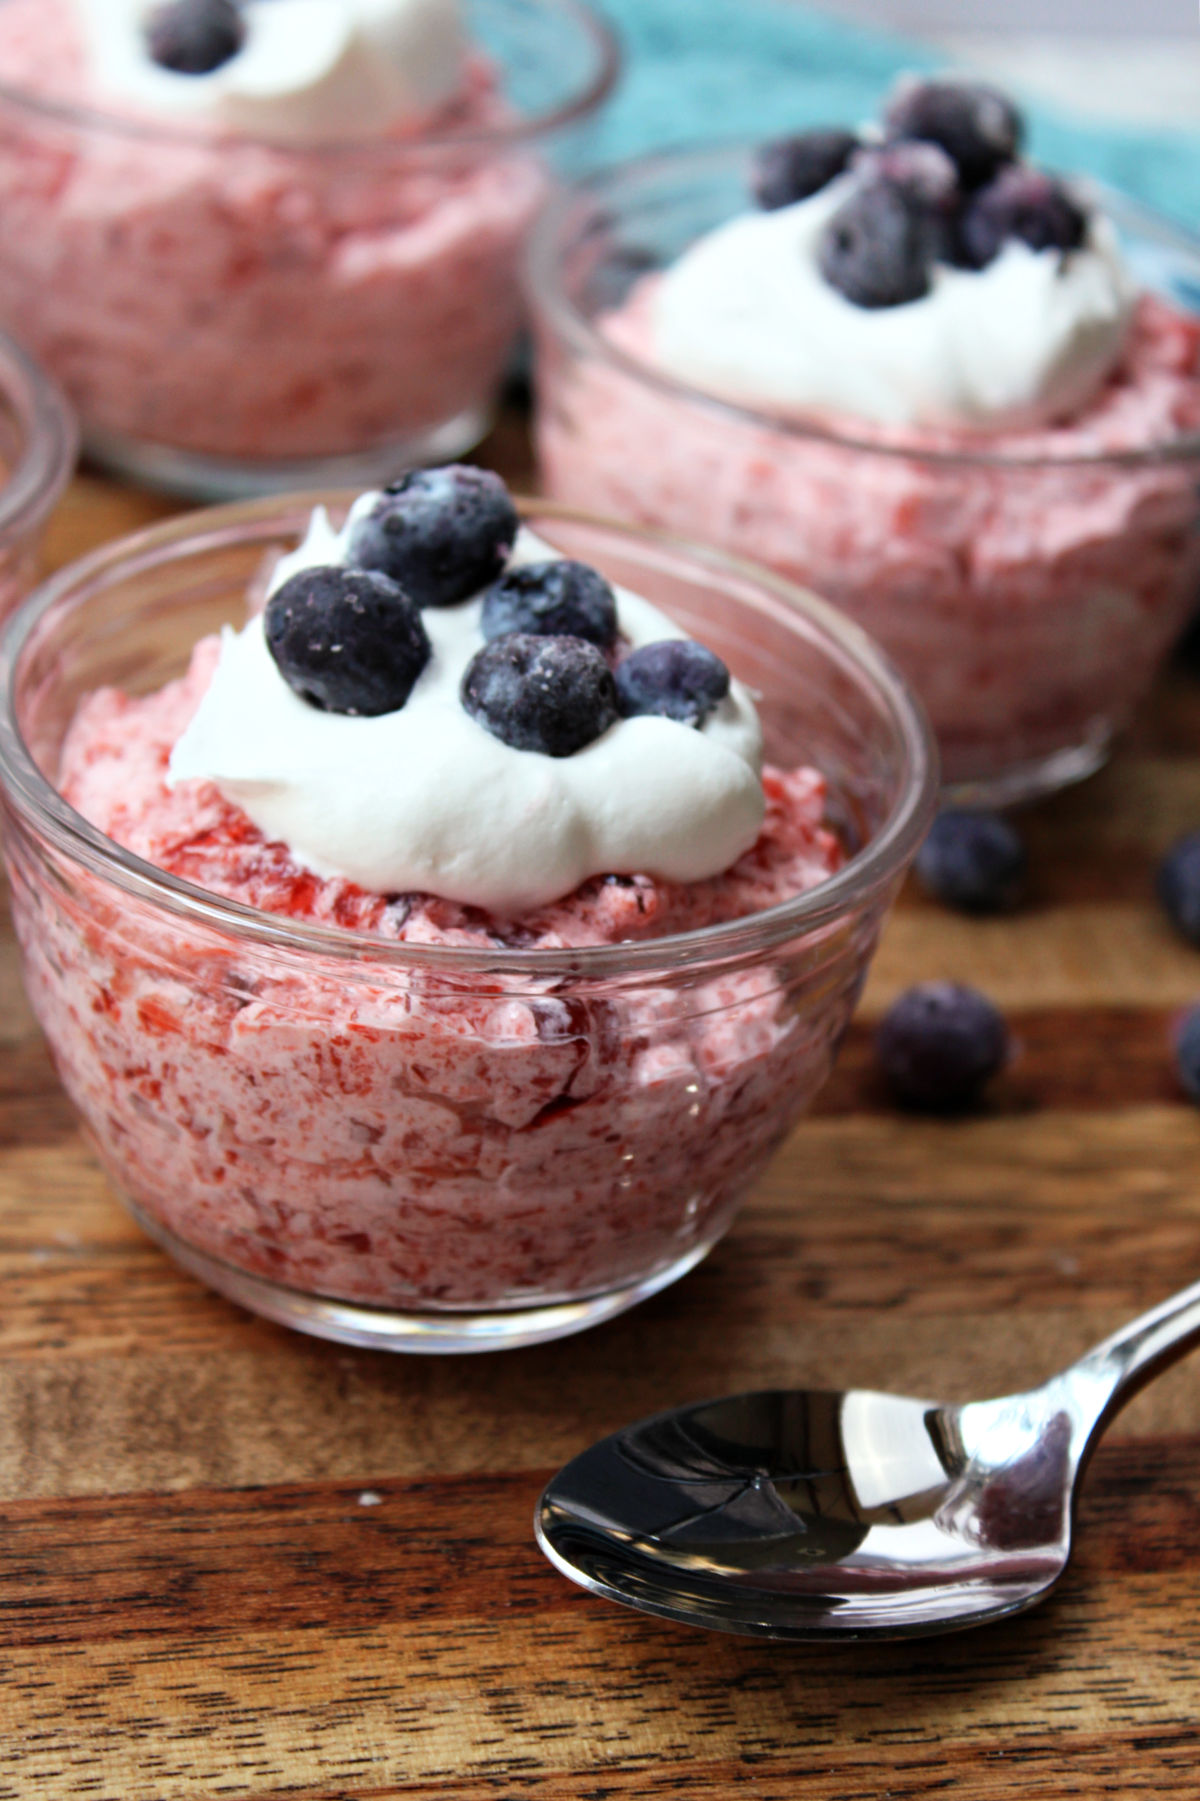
x=1138, y=1351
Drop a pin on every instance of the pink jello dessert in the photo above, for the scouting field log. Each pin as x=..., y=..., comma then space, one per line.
x=516, y=1098
x=300, y=264
x=995, y=469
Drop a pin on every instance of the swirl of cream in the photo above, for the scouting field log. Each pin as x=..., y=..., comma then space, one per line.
x=746, y=314
x=308, y=72
x=426, y=800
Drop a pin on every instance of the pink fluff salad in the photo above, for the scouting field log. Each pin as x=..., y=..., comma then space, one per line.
x=250, y=302
x=466, y=1141
x=1029, y=607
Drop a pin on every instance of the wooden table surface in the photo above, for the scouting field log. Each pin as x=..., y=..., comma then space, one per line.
x=235, y=1562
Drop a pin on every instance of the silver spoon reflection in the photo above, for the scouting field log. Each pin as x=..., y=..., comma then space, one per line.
x=821, y=1515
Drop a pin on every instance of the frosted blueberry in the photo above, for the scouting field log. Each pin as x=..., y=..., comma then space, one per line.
x=346, y=640
x=194, y=37
x=553, y=695
x=441, y=533
x=1025, y=204
x=552, y=600
x=790, y=169
x=879, y=246
x=976, y=125
x=675, y=677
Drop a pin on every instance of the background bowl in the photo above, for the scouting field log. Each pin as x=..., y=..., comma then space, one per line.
x=1029, y=599
x=231, y=316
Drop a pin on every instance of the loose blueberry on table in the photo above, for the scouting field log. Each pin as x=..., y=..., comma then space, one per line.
x=1178, y=886
x=974, y=861
x=1187, y=1053
x=939, y=1045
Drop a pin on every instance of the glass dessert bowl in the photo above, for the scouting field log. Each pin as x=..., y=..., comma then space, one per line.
x=38, y=444
x=271, y=285
x=485, y=1135
x=1028, y=579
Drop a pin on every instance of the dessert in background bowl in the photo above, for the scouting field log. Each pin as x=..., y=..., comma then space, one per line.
x=38, y=444
x=437, y=958
x=278, y=243
x=957, y=397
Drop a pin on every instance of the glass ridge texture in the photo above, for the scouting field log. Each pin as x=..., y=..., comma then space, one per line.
x=38, y=446
x=232, y=316
x=1029, y=599
x=440, y=1147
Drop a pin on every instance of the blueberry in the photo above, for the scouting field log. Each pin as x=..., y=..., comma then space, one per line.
x=1178, y=886
x=973, y=861
x=928, y=179
x=924, y=171
x=675, y=677
x=552, y=600
x=975, y=125
x=1021, y=203
x=552, y=695
x=939, y=1044
x=878, y=247
x=194, y=37
x=1187, y=1053
x=790, y=169
x=441, y=533
x=346, y=640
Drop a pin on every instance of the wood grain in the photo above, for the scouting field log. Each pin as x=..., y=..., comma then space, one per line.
x=235, y=1562
x=301, y=1638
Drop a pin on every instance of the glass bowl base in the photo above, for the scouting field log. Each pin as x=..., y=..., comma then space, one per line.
x=389, y=1329
x=1021, y=783
x=198, y=477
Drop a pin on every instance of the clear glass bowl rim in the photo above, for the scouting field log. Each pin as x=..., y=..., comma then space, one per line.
x=606, y=59
x=551, y=304
x=42, y=810
x=49, y=442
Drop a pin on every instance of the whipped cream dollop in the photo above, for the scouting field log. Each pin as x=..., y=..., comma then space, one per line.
x=746, y=314
x=427, y=800
x=308, y=71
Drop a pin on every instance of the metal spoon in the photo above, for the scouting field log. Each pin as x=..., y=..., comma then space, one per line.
x=820, y=1515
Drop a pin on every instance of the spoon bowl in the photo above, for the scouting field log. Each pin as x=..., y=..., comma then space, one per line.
x=820, y=1514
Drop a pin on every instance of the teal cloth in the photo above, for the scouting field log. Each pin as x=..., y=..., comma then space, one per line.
x=698, y=70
